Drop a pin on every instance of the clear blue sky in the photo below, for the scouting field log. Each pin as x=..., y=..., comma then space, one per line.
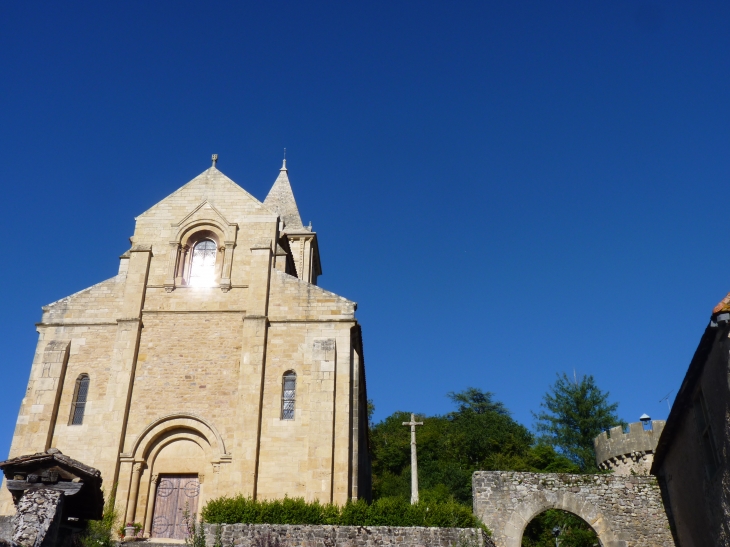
x=508, y=189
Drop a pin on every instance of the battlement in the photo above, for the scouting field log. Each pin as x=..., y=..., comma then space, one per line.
x=615, y=446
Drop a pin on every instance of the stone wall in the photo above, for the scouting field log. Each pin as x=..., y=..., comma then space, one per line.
x=38, y=518
x=6, y=527
x=246, y=535
x=625, y=511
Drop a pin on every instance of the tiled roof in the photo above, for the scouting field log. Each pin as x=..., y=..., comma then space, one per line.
x=51, y=455
x=723, y=306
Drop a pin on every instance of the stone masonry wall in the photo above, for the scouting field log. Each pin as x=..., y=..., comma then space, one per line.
x=38, y=517
x=625, y=511
x=245, y=535
x=6, y=527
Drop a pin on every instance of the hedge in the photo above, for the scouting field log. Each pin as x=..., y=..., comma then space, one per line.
x=383, y=512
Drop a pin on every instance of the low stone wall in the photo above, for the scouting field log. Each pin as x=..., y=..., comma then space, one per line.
x=255, y=535
x=6, y=528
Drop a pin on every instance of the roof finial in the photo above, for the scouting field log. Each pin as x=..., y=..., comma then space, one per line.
x=215, y=159
x=283, y=166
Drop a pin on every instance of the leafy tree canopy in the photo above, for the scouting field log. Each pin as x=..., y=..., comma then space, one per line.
x=574, y=413
x=479, y=434
x=477, y=401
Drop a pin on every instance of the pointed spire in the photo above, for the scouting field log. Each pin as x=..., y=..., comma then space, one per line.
x=281, y=199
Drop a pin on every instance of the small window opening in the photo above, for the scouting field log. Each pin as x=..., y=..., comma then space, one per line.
x=202, y=269
x=79, y=401
x=288, y=395
x=707, y=439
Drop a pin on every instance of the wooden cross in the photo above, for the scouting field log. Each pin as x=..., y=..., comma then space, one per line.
x=414, y=459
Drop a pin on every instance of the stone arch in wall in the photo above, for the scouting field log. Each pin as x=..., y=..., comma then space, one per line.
x=180, y=443
x=624, y=511
x=523, y=513
x=178, y=420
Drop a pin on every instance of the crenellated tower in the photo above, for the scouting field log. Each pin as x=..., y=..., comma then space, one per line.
x=631, y=452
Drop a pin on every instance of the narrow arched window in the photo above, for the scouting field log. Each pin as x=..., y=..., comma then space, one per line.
x=79, y=401
x=202, y=268
x=288, y=395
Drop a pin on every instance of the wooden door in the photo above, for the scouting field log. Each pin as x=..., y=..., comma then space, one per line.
x=175, y=494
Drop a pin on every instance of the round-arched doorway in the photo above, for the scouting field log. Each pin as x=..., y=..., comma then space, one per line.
x=557, y=527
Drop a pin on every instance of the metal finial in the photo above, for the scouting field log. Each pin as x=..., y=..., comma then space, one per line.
x=215, y=159
x=283, y=165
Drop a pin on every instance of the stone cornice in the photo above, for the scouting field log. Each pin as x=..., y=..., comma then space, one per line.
x=79, y=324
x=146, y=312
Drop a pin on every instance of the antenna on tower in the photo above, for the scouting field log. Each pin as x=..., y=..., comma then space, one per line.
x=666, y=398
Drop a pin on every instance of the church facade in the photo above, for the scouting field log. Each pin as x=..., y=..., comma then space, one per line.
x=212, y=364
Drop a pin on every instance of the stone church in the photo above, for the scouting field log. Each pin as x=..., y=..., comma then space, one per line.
x=212, y=364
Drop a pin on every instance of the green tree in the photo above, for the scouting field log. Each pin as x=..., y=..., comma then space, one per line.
x=477, y=401
x=574, y=413
x=479, y=434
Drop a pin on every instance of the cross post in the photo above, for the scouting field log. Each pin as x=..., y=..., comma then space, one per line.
x=414, y=459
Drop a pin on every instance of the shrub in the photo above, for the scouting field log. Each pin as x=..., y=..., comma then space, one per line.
x=354, y=513
x=392, y=511
x=100, y=533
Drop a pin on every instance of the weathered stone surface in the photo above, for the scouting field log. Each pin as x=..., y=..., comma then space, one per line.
x=625, y=511
x=246, y=535
x=6, y=527
x=37, y=518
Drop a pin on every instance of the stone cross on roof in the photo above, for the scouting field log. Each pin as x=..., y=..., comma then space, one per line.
x=215, y=159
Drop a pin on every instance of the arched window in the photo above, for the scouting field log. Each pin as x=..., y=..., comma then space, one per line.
x=79, y=401
x=202, y=268
x=288, y=395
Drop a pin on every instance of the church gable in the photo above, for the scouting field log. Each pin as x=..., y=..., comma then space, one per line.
x=213, y=186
